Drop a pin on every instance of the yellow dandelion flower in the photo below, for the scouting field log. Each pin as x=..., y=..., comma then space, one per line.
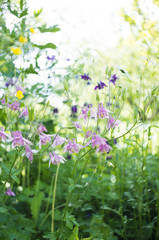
x=19, y=94
x=32, y=30
x=22, y=39
x=16, y=51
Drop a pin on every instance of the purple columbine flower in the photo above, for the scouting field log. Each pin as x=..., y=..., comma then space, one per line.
x=85, y=77
x=113, y=79
x=51, y=58
x=100, y=85
x=9, y=82
x=55, y=110
x=74, y=109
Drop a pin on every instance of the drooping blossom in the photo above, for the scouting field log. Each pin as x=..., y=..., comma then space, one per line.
x=18, y=140
x=9, y=192
x=3, y=135
x=41, y=128
x=74, y=109
x=102, y=111
x=88, y=133
x=58, y=140
x=29, y=152
x=24, y=112
x=72, y=147
x=100, y=85
x=14, y=106
x=9, y=82
x=44, y=139
x=77, y=125
x=3, y=101
x=56, y=159
x=85, y=77
x=112, y=123
x=55, y=110
x=51, y=58
x=104, y=148
x=113, y=79
x=100, y=143
x=84, y=114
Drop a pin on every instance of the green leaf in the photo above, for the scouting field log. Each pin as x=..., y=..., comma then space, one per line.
x=48, y=45
x=36, y=204
x=3, y=210
x=37, y=13
x=54, y=28
x=74, y=236
x=71, y=187
x=31, y=70
x=21, y=5
x=14, y=12
x=24, y=13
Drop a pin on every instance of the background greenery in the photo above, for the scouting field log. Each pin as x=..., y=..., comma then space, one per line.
x=116, y=195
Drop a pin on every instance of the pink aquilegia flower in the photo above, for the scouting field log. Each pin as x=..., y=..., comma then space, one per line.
x=104, y=148
x=9, y=192
x=100, y=143
x=58, y=140
x=88, y=133
x=84, y=114
x=77, y=125
x=14, y=106
x=44, y=139
x=41, y=128
x=112, y=123
x=24, y=112
x=102, y=111
x=3, y=101
x=29, y=153
x=72, y=147
x=56, y=159
x=3, y=135
x=18, y=140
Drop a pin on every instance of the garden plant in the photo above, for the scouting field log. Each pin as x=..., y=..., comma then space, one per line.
x=79, y=141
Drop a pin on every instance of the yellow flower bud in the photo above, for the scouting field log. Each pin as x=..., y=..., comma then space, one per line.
x=16, y=51
x=32, y=30
x=19, y=94
x=22, y=39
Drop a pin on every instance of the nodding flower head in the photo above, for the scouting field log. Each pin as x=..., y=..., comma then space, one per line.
x=100, y=85
x=85, y=77
x=56, y=159
x=51, y=58
x=72, y=147
x=113, y=79
x=74, y=109
x=9, y=192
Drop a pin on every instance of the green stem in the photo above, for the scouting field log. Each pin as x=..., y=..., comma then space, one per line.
x=9, y=173
x=53, y=199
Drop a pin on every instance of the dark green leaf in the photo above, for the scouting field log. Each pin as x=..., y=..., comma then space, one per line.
x=43, y=29
x=48, y=45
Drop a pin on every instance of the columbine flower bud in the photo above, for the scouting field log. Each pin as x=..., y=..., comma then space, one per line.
x=97, y=97
x=65, y=86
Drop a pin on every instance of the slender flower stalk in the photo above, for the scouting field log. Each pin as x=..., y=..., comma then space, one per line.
x=53, y=198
